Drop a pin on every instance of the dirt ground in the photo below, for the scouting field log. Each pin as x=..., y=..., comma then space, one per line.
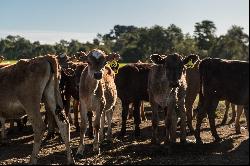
x=233, y=150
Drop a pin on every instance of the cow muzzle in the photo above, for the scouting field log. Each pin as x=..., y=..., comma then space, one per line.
x=98, y=75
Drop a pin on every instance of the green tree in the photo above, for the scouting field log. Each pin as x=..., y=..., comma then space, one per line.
x=204, y=34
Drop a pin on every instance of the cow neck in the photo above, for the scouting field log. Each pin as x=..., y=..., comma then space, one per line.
x=92, y=84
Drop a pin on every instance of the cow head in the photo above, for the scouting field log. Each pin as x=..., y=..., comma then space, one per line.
x=173, y=65
x=97, y=60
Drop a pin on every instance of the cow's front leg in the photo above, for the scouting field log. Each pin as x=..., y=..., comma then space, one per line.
x=155, y=121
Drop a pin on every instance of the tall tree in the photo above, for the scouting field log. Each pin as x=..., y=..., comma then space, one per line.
x=204, y=34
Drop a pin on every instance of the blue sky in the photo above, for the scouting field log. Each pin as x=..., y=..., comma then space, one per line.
x=51, y=20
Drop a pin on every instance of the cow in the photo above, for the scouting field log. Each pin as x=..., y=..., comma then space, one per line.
x=23, y=87
x=131, y=83
x=221, y=79
x=167, y=90
x=193, y=86
x=97, y=92
x=69, y=84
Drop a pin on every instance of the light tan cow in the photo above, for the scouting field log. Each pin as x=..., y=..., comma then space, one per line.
x=97, y=92
x=23, y=86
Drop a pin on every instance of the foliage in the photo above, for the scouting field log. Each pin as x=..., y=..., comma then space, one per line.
x=138, y=43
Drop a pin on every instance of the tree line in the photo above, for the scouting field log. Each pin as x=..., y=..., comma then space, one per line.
x=138, y=43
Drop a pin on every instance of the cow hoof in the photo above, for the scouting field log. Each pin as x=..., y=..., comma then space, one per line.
x=198, y=141
x=71, y=162
x=137, y=134
x=183, y=142
x=223, y=123
x=78, y=156
x=90, y=134
x=231, y=121
x=77, y=129
x=217, y=140
x=238, y=132
x=155, y=141
x=121, y=135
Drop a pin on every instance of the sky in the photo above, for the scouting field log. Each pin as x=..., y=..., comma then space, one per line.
x=49, y=21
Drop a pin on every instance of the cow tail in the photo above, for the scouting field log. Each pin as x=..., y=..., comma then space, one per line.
x=54, y=66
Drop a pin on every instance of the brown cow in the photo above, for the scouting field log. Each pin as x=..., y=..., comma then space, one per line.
x=221, y=80
x=167, y=89
x=23, y=86
x=97, y=92
x=131, y=82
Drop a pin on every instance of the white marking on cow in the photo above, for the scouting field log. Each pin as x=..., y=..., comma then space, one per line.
x=96, y=54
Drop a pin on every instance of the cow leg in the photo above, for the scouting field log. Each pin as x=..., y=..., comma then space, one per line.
x=64, y=127
x=137, y=118
x=130, y=111
x=233, y=113
x=75, y=108
x=109, y=119
x=125, y=108
x=237, y=121
x=201, y=113
x=227, y=103
x=38, y=127
x=183, y=121
x=67, y=108
x=102, y=134
x=211, y=116
x=3, y=129
x=51, y=124
x=246, y=111
x=143, y=117
x=90, y=131
x=189, y=107
x=83, y=128
x=155, y=121
x=97, y=130
x=55, y=106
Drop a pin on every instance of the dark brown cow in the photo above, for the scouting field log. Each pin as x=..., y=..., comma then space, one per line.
x=221, y=80
x=131, y=83
x=167, y=89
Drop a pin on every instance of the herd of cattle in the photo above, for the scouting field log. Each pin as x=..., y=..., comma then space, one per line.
x=171, y=84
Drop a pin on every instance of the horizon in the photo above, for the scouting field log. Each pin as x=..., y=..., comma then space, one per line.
x=83, y=20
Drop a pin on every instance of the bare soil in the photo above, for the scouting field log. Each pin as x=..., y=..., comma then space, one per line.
x=233, y=150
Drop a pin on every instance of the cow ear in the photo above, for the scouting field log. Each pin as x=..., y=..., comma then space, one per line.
x=82, y=56
x=113, y=56
x=157, y=59
x=190, y=60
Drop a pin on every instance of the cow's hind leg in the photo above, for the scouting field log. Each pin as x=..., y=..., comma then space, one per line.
x=237, y=121
x=109, y=114
x=211, y=116
x=137, y=118
x=75, y=108
x=223, y=122
x=55, y=106
x=201, y=113
x=246, y=111
x=233, y=113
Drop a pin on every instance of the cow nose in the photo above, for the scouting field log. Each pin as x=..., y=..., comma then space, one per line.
x=174, y=84
x=98, y=75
